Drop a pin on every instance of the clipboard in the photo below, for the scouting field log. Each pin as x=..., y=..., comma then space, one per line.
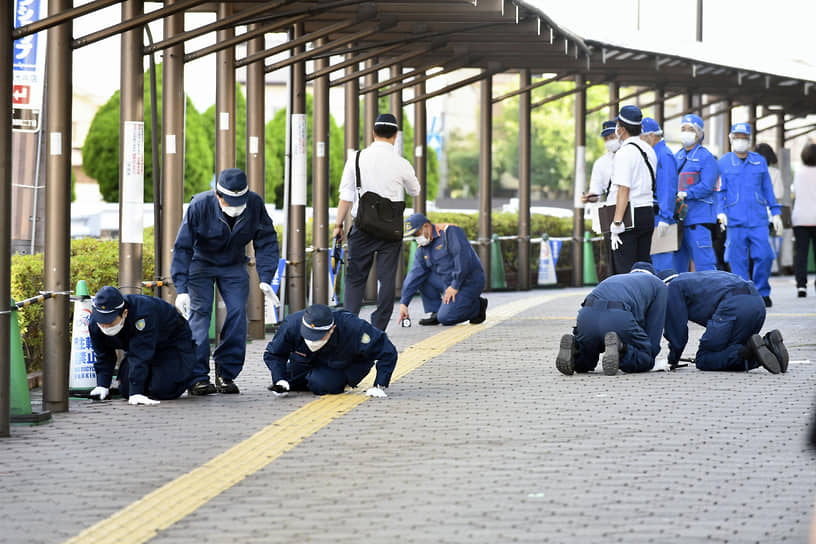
x=667, y=243
x=606, y=214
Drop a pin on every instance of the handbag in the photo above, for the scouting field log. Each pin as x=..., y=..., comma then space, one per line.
x=376, y=215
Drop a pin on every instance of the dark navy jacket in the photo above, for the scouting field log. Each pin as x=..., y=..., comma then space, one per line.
x=698, y=173
x=694, y=296
x=665, y=183
x=151, y=325
x=206, y=236
x=746, y=191
x=449, y=256
x=353, y=340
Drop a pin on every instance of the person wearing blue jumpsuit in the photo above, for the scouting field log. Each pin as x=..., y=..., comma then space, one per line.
x=665, y=187
x=746, y=194
x=622, y=317
x=323, y=350
x=697, y=181
x=447, y=273
x=156, y=339
x=732, y=313
x=210, y=249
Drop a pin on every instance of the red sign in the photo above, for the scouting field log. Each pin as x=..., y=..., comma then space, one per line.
x=21, y=94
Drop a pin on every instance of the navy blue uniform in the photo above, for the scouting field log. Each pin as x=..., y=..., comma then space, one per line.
x=632, y=305
x=449, y=260
x=210, y=249
x=698, y=173
x=346, y=359
x=159, y=350
x=730, y=309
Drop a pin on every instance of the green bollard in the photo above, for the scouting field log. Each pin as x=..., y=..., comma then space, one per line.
x=20, y=397
x=590, y=276
x=497, y=280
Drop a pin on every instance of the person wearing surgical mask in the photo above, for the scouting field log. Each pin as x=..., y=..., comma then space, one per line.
x=210, y=250
x=156, y=340
x=746, y=199
x=323, y=351
x=602, y=168
x=446, y=273
x=665, y=188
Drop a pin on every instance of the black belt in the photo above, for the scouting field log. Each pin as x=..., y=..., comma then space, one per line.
x=601, y=304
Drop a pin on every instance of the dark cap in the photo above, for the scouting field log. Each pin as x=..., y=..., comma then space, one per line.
x=414, y=223
x=107, y=304
x=630, y=115
x=608, y=128
x=667, y=275
x=643, y=266
x=232, y=185
x=317, y=321
x=386, y=120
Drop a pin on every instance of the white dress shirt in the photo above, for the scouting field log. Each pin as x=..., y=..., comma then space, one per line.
x=601, y=174
x=630, y=170
x=382, y=171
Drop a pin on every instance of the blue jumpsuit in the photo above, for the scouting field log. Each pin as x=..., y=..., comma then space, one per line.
x=346, y=359
x=159, y=350
x=208, y=251
x=632, y=305
x=746, y=193
x=697, y=176
x=665, y=197
x=448, y=260
x=730, y=309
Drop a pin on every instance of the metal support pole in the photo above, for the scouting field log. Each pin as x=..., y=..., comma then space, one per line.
x=525, y=133
x=57, y=275
x=485, y=177
x=173, y=107
x=421, y=149
x=614, y=96
x=351, y=127
x=255, y=115
x=752, y=120
x=224, y=97
x=155, y=149
x=580, y=183
x=725, y=119
x=395, y=106
x=320, y=183
x=370, y=111
x=296, y=270
x=6, y=61
x=780, y=131
x=660, y=107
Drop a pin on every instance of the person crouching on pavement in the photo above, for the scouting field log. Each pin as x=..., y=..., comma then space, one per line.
x=156, y=339
x=447, y=273
x=323, y=351
x=622, y=317
x=732, y=312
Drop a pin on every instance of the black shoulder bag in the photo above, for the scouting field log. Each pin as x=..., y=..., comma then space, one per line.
x=376, y=215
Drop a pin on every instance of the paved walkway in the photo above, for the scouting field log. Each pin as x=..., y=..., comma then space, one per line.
x=480, y=440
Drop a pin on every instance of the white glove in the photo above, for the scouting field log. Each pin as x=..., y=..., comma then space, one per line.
x=776, y=221
x=133, y=400
x=269, y=293
x=99, y=393
x=662, y=228
x=183, y=304
x=723, y=219
x=615, y=241
x=661, y=365
x=682, y=195
x=280, y=389
x=376, y=391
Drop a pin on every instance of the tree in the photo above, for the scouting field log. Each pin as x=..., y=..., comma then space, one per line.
x=100, y=151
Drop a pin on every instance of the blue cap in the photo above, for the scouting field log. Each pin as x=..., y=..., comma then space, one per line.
x=631, y=115
x=386, y=120
x=232, y=185
x=643, y=266
x=317, y=322
x=107, y=304
x=608, y=128
x=413, y=223
x=741, y=128
x=694, y=120
x=667, y=275
x=650, y=125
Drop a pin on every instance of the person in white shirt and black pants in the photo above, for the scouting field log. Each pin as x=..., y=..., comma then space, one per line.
x=382, y=171
x=633, y=178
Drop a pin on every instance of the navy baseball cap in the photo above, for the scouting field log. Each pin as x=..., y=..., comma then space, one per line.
x=643, y=266
x=741, y=128
x=413, y=223
x=650, y=125
x=608, y=128
x=631, y=115
x=667, y=275
x=317, y=321
x=232, y=185
x=107, y=304
x=387, y=120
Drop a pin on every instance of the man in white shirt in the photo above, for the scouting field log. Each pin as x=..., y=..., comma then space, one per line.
x=384, y=172
x=633, y=179
x=602, y=168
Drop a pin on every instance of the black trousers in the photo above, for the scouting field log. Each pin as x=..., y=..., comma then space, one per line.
x=362, y=249
x=637, y=242
x=805, y=237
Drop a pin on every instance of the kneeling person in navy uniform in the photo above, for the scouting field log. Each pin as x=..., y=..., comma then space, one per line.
x=323, y=351
x=446, y=272
x=156, y=339
x=622, y=317
x=732, y=311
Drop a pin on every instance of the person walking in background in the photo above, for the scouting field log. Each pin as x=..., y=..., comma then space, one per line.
x=804, y=216
x=665, y=196
x=777, y=243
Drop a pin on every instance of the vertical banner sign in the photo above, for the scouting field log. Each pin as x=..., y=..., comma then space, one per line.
x=82, y=375
x=29, y=68
x=298, y=197
x=546, y=264
x=132, y=197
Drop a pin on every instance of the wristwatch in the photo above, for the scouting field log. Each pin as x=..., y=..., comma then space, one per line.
x=618, y=223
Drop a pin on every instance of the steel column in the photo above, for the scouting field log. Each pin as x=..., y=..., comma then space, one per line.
x=255, y=115
x=421, y=149
x=725, y=116
x=485, y=174
x=525, y=133
x=6, y=61
x=580, y=183
x=296, y=231
x=752, y=120
x=614, y=96
x=660, y=106
x=370, y=111
x=320, y=183
x=57, y=274
x=395, y=106
x=351, y=128
x=224, y=96
x=780, y=131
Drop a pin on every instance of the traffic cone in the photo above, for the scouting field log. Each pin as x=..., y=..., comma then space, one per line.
x=81, y=376
x=590, y=276
x=20, y=408
x=546, y=265
x=497, y=280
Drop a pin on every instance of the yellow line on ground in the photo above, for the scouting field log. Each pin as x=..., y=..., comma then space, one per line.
x=145, y=518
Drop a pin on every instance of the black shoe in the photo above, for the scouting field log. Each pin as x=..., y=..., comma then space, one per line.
x=612, y=350
x=801, y=292
x=768, y=302
x=762, y=355
x=225, y=385
x=482, y=312
x=203, y=387
x=430, y=320
x=565, y=361
x=773, y=340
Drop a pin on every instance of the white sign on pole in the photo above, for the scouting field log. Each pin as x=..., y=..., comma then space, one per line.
x=28, y=76
x=298, y=196
x=132, y=197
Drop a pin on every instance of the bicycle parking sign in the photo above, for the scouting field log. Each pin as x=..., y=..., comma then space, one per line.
x=28, y=68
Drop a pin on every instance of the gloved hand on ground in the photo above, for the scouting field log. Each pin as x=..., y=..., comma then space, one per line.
x=99, y=393
x=134, y=400
x=376, y=391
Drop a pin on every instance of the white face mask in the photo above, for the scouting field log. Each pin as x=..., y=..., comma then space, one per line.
x=740, y=145
x=233, y=211
x=315, y=345
x=612, y=145
x=688, y=139
x=422, y=240
x=114, y=330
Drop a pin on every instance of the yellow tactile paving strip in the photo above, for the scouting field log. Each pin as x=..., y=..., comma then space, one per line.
x=170, y=503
